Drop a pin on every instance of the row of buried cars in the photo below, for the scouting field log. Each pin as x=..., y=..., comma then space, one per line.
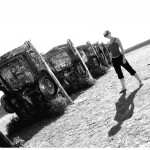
x=31, y=82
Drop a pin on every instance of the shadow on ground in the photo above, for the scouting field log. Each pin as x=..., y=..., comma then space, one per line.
x=26, y=132
x=124, y=111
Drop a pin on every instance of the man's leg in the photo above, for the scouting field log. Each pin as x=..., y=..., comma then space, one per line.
x=123, y=84
x=117, y=67
x=138, y=78
x=128, y=67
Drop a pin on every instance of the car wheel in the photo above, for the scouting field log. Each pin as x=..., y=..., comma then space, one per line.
x=80, y=69
x=47, y=86
x=95, y=62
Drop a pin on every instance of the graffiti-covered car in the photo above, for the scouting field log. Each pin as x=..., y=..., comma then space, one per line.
x=91, y=59
x=68, y=66
x=27, y=83
x=106, y=51
x=101, y=55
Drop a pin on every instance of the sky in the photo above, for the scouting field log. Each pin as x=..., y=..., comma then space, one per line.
x=49, y=23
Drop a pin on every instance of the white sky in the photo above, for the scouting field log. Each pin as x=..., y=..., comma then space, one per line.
x=49, y=23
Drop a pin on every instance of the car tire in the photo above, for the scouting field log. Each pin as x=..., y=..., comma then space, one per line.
x=80, y=69
x=47, y=86
x=95, y=62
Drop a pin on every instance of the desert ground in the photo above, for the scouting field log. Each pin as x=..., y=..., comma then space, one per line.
x=100, y=116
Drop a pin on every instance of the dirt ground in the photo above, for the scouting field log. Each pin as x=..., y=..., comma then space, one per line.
x=100, y=116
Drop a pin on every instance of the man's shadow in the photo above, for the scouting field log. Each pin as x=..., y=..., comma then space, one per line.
x=124, y=111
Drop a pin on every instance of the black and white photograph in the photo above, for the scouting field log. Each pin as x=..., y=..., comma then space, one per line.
x=74, y=74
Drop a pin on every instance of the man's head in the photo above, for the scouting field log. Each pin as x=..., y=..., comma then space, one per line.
x=107, y=33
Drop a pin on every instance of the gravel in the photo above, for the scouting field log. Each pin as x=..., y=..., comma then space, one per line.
x=100, y=116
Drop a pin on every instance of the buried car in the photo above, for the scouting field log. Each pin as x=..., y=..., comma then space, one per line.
x=94, y=64
x=103, y=53
x=106, y=51
x=68, y=66
x=28, y=85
